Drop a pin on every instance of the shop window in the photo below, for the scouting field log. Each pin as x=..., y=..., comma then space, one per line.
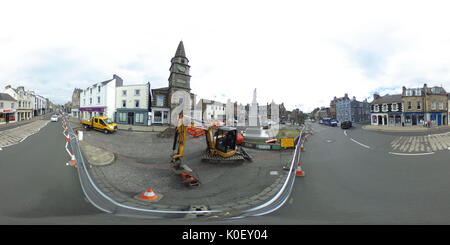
x=158, y=116
x=140, y=118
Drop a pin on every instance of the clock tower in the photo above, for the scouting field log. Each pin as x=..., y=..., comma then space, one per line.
x=179, y=80
x=179, y=70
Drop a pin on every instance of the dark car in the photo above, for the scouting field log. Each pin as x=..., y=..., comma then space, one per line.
x=346, y=124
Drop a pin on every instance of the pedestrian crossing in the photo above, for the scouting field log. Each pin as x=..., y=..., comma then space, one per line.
x=15, y=135
x=427, y=143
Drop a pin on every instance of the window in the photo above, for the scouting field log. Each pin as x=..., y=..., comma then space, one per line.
x=123, y=117
x=12, y=105
x=99, y=89
x=385, y=107
x=409, y=105
x=180, y=100
x=90, y=101
x=139, y=118
x=20, y=104
x=98, y=99
x=159, y=100
x=441, y=105
x=433, y=105
x=124, y=93
x=137, y=92
x=1, y=105
x=394, y=107
x=124, y=103
x=90, y=90
x=84, y=101
x=418, y=105
x=136, y=103
x=418, y=92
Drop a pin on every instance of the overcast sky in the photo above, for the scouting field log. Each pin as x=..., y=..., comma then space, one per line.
x=302, y=53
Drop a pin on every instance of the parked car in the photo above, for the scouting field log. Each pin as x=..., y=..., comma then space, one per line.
x=54, y=118
x=346, y=124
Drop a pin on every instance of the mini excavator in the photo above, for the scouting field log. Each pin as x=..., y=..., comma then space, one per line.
x=221, y=147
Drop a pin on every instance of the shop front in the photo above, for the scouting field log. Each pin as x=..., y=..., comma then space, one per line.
x=7, y=116
x=379, y=119
x=137, y=117
x=395, y=119
x=437, y=119
x=414, y=118
x=160, y=116
x=88, y=112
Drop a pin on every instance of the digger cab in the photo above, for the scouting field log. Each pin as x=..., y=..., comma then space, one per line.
x=226, y=138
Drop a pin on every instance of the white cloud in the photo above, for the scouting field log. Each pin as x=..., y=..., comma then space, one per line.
x=294, y=52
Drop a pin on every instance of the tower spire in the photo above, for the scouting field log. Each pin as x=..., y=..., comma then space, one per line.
x=180, y=50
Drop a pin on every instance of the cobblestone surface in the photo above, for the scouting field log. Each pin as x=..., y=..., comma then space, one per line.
x=142, y=162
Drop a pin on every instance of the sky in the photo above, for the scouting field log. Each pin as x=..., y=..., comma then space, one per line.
x=300, y=53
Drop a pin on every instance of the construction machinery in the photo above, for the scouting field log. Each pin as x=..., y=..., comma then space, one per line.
x=221, y=146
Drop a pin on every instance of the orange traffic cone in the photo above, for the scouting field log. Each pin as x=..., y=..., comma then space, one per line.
x=73, y=161
x=302, y=148
x=148, y=195
x=299, y=171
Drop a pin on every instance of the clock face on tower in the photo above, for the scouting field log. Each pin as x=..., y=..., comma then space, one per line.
x=181, y=68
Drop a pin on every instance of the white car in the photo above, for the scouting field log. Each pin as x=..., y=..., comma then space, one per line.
x=54, y=118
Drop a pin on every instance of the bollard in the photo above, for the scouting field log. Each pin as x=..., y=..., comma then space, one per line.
x=80, y=135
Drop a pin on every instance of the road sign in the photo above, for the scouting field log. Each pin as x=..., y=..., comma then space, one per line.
x=287, y=142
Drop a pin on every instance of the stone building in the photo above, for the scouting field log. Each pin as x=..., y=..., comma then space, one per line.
x=425, y=105
x=333, y=108
x=436, y=104
x=75, y=105
x=165, y=101
x=386, y=110
x=25, y=102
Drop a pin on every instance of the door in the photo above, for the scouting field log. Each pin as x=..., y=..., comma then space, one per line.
x=414, y=120
x=131, y=118
x=439, y=119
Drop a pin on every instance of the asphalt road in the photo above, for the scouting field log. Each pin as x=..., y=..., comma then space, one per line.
x=345, y=183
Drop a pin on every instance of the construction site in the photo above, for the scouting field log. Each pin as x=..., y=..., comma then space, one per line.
x=184, y=168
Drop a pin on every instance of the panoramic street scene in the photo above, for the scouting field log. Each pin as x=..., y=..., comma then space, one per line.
x=236, y=113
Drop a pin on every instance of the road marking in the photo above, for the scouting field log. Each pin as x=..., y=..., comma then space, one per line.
x=363, y=145
x=411, y=154
x=2, y=149
x=345, y=132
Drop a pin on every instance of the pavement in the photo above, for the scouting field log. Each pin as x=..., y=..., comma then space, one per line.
x=127, y=163
x=385, y=128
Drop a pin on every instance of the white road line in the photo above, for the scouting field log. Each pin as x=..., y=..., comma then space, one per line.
x=345, y=132
x=411, y=154
x=363, y=145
